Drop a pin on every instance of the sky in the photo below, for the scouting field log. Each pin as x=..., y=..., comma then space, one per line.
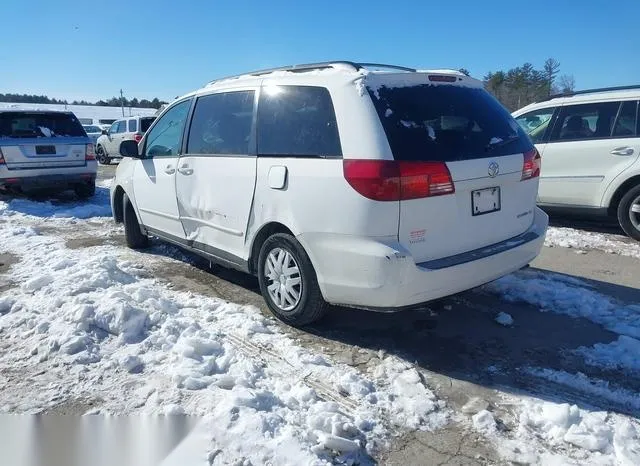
x=72, y=49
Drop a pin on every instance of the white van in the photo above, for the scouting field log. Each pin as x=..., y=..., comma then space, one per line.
x=590, y=141
x=372, y=186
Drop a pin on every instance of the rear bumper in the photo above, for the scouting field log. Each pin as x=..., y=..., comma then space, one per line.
x=363, y=272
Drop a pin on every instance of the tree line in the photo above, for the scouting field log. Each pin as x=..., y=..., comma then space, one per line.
x=112, y=102
x=525, y=84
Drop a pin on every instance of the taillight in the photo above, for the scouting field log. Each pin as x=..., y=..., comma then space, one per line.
x=89, y=153
x=137, y=137
x=387, y=180
x=1, y=158
x=532, y=164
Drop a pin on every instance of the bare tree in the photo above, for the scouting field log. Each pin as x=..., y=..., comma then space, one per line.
x=464, y=71
x=567, y=83
x=551, y=69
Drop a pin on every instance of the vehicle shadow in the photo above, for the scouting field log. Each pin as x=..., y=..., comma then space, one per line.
x=604, y=225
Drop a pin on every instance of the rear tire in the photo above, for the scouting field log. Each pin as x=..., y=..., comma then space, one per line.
x=85, y=191
x=132, y=232
x=102, y=157
x=629, y=212
x=288, y=281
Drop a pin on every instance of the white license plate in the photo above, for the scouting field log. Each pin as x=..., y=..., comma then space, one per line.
x=484, y=201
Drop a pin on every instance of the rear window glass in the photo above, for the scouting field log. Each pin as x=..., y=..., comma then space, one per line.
x=297, y=121
x=145, y=123
x=446, y=123
x=39, y=125
x=92, y=129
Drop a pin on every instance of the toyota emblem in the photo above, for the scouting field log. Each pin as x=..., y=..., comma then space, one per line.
x=494, y=169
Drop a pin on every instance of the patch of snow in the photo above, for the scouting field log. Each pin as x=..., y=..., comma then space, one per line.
x=505, y=319
x=388, y=113
x=624, y=353
x=585, y=240
x=495, y=140
x=483, y=421
x=92, y=324
x=552, y=293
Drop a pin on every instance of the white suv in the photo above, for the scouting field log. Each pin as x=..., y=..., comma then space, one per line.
x=334, y=183
x=590, y=141
x=132, y=128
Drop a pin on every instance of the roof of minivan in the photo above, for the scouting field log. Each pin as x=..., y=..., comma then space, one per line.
x=335, y=74
x=584, y=97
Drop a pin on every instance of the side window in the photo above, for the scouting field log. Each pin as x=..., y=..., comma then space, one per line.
x=585, y=121
x=133, y=126
x=163, y=140
x=122, y=127
x=535, y=123
x=297, y=121
x=221, y=124
x=626, y=122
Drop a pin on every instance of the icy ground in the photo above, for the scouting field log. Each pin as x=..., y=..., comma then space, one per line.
x=585, y=240
x=92, y=324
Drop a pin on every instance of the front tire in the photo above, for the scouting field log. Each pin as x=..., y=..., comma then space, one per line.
x=288, y=281
x=101, y=156
x=629, y=212
x=132, y=232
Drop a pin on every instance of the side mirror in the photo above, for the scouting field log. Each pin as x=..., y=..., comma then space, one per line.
x=105, y=132
x=129, y=148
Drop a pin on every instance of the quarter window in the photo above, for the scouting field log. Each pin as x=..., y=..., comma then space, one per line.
x=536, y=123
x=163, y=140
x=297, y=121
x=222, y=124
x=626, y=122
x=133, y=126
x=586, y=121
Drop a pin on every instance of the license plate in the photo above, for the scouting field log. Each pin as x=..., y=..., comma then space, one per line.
x=45, y=150
x=485, y=201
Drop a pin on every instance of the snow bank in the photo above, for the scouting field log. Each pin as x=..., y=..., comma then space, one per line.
x=97, y=206
x=624, y=354
x=87, y=323
x=551, y=292
x=578, y=239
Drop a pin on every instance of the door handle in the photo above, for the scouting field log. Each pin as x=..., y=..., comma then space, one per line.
x=185, y=170
x=622, y=151
x=169, y=170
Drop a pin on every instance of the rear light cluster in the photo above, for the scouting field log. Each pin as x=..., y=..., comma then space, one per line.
x=89, y=153
x=389, y=180
x=137, y=137
x=531, y=166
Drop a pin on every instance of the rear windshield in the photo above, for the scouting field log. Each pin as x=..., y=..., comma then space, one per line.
x=446, y=123
x=39, y=125
x=145, y=123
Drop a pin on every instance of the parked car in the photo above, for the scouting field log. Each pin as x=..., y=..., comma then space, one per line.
x=132, y=128
x=337, y=184
x=590, y=141
x=93, y=131
x=45, y=149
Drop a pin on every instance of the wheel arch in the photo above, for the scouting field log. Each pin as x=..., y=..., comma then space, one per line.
x=117, y=204
x=260, y=237
x=629, y=183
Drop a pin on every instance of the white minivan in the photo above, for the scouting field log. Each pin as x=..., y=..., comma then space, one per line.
x=590, y=141
x=371, y=186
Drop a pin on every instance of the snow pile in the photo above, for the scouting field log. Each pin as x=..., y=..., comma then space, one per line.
x=87, y=324
x=602, y=438
x=552, y=293
x=96, y=206
x=578, y=239
x=624, y=353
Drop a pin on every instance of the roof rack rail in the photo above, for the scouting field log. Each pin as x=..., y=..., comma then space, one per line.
x=592, y=91
x=315, y=66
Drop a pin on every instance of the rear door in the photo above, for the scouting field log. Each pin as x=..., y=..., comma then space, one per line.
x=483, y=149
x=216, y=176
x=154, y=177
x=589, y=146
x=115, y=137
x=31, y=140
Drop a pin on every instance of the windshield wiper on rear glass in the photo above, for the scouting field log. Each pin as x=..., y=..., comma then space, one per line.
x=499, y=142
